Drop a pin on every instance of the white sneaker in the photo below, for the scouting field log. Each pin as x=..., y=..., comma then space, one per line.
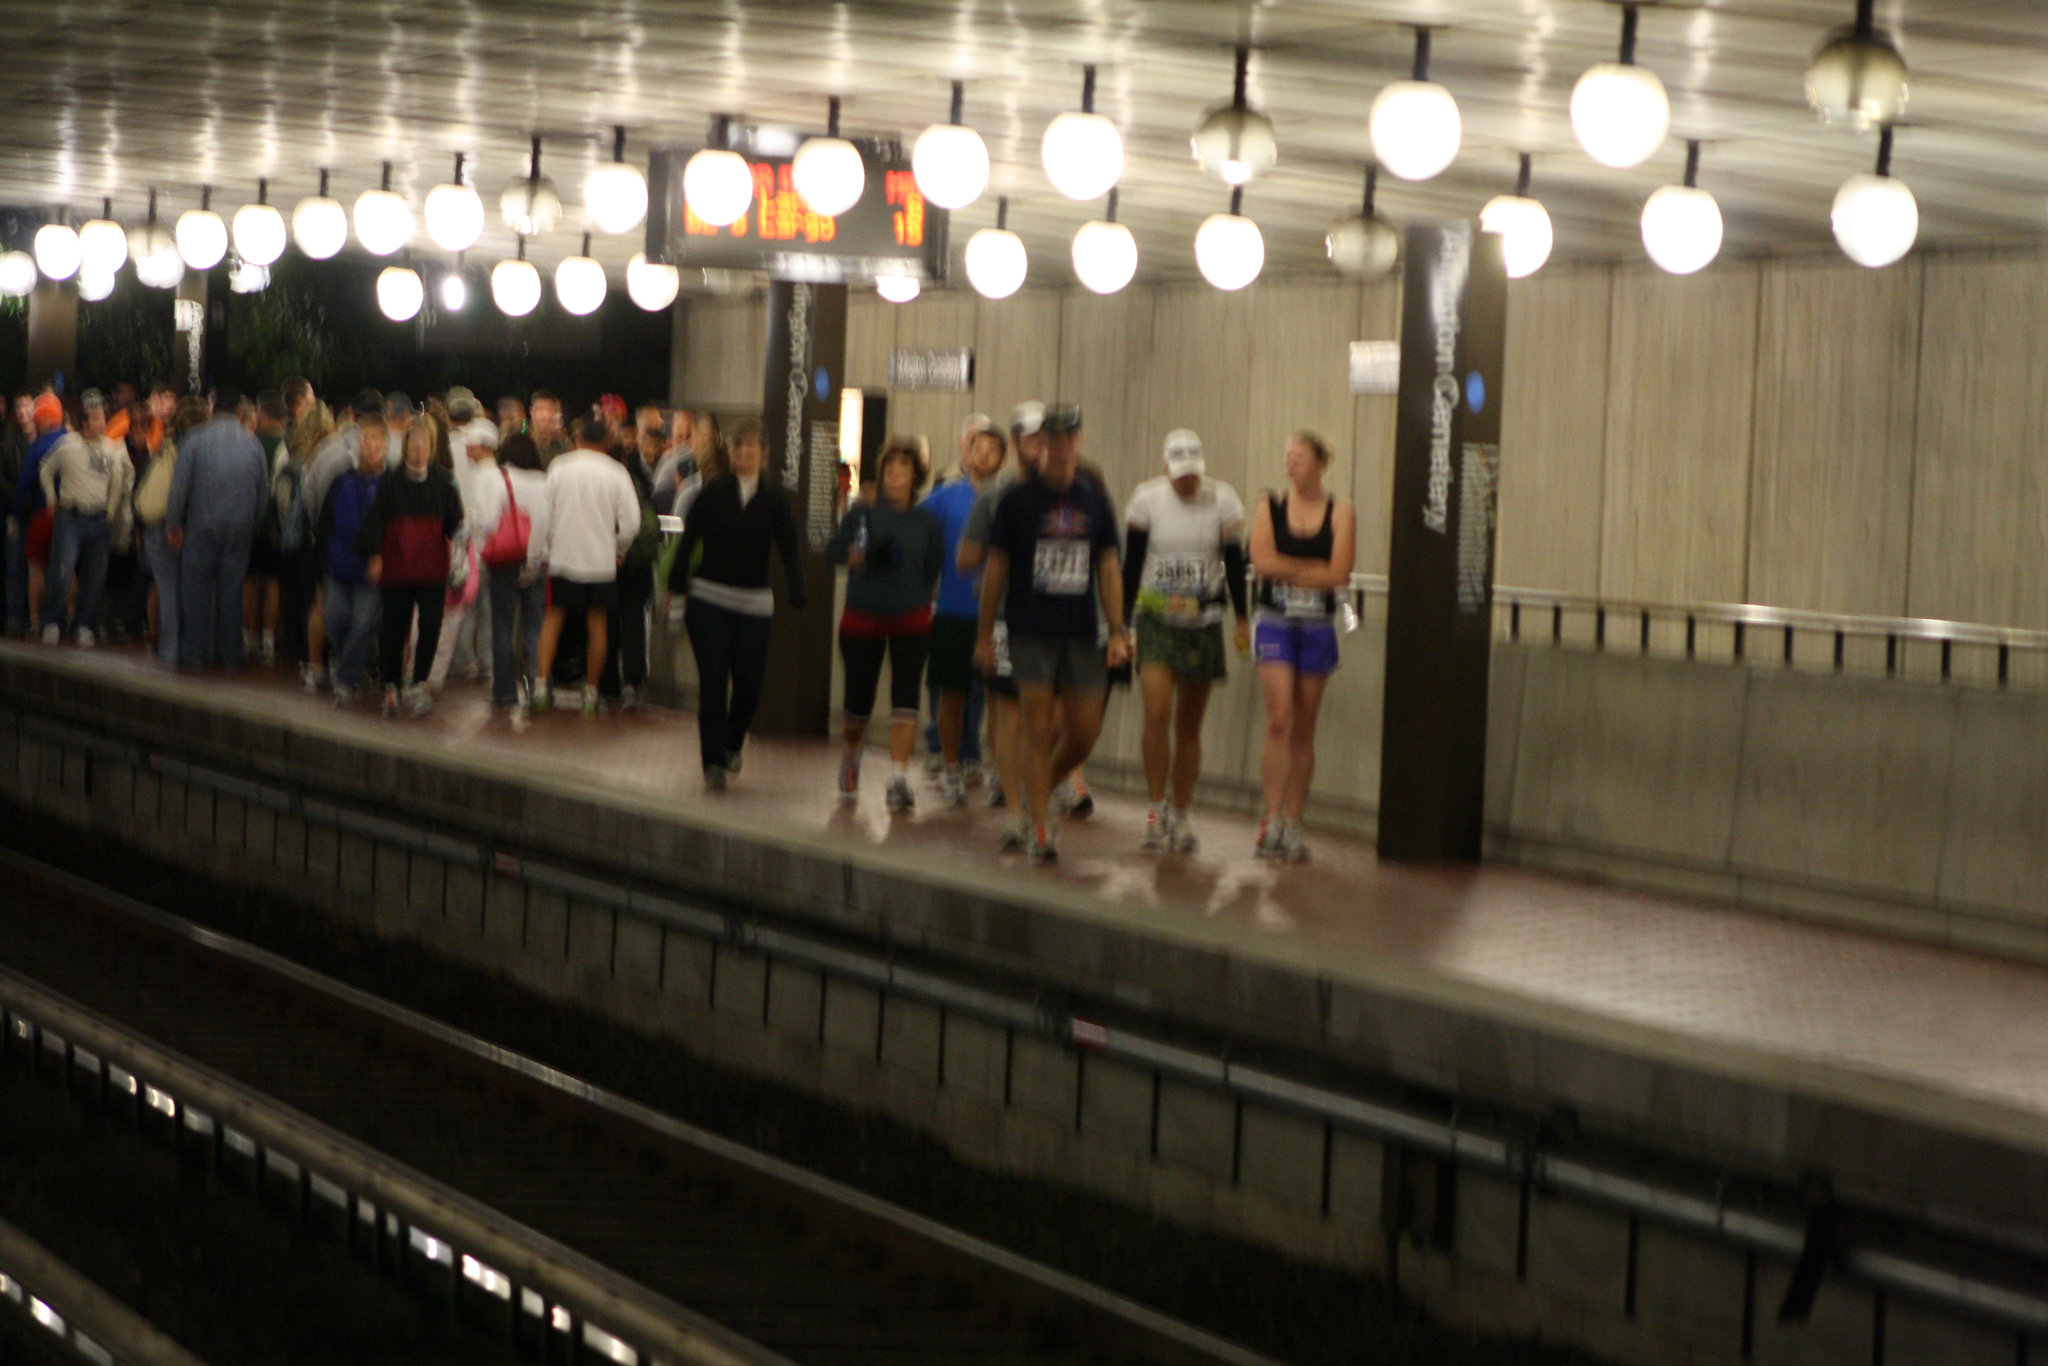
x=314, y=676
x=900, y=797
x=1272, y=838
x=1016, y=833
x=539, y=699
x=85, y=639
x=590, y=699
x=1158, y=834
x=419, y=700
x=344, y=697
x=934, y=764
x=1293, y=847
x=849, y=776
x=52, y=635
x=972, y=775
x=952, y=793
x=1180, y=835
x=629, y=698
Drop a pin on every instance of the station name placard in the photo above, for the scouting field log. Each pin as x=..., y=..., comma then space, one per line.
x=949, y=369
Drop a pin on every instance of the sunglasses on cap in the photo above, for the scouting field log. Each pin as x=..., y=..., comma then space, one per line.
x=1062, y=418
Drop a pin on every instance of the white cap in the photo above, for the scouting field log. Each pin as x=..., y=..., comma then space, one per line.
x=480, y=432
x=1183, y=453
x=1027, y=419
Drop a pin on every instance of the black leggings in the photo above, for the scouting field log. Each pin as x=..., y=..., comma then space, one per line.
x=399, y=602
x=732, y=661
x=863, y=656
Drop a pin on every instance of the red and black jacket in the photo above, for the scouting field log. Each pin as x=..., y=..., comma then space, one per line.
x=410, y=524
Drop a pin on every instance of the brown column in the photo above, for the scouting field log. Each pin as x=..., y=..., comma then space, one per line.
x=53, y=334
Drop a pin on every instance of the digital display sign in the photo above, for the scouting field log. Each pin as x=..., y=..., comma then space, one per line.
x=891, y=231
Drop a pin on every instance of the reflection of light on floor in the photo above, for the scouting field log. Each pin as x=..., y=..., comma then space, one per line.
x=1241, y=892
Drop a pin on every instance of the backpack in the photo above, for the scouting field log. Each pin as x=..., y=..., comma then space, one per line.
x=286, y=522
x=646, y=547
x=506, y=548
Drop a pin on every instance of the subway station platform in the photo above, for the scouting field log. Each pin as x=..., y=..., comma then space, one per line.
x=1913, y=1076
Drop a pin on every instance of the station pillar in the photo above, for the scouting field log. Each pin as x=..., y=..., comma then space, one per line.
x=800, y=412
x=53, y=334
x=1440, y=566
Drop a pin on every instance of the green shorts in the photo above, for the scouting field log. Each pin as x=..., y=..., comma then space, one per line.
x=1193, y=654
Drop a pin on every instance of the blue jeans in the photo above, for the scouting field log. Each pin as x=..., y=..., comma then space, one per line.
x=514, y=651
x=80, y=542
x=212, y=565
x=970, y=722
x=163, y=567
x=354, y=611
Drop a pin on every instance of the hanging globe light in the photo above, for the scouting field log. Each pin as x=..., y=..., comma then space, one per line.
x=651, y=285
x=102, y=243
x=319, y=224
x=1619, y=110
x=383, y=220
x=94, y=285
x=1365, y=245
x=1083, y=153
x=949, y=160
x=1682, y=223
x=57, y=251
x=454, y=212
x=400, y=293
x=898, y=289
x=1524, y=227
x=157, y=262
x=717, y=183
x=246, y=277
x=202, y=236
x=1857, y=79
x=615, y=192
x=995, y=259
x=1230, y=251
x=579, y=282
x=1876, y=218
x=259, y=230
x=828, y=172
x=1414, y=124
x=530, y=203
x=1235, y=142
x=1105, y=253
x=454, y=291
x=17, y=274
x=515, y=285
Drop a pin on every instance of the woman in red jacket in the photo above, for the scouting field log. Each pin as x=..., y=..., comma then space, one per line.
x=404, y=538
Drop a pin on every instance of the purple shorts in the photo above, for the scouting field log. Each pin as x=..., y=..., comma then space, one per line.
x=1307, y=647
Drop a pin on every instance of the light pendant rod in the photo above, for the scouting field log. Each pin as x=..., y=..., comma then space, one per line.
x=618, y=142
x=460, y=158
x=323, y=182
x=1372, y=184
x=959, y=101
x=1244, y=66
x=107, y=207
x=721, y=132
x=385, y=184
x=1002, y=212
x=832, y=116
x=1088, y=89
x=586, y=244
x=1522, y=179
x=262, y=191
x=152, y=203
x=1884, y=150
x=1628, y=35
x=1421, y=53
x=205, y=197
x=1109, y=213
x=521, y=255
x=1866, y=18
x=1237, y=202
x=1692, y=163
x=534, y=172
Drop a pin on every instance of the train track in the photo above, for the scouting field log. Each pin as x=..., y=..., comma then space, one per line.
x=578, y=1222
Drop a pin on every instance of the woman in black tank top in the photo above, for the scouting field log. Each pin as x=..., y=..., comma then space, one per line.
x=1301, y=574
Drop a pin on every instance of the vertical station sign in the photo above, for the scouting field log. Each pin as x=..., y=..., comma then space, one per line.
x=1440, y=569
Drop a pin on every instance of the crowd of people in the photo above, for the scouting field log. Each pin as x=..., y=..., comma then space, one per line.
x=382, y=547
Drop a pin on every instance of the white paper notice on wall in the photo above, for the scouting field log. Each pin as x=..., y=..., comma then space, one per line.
x=1375, y=367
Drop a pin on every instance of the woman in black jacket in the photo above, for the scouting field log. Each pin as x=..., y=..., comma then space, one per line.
x=734, y=526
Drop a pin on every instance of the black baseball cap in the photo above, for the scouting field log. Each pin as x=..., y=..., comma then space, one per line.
x=1061, y=418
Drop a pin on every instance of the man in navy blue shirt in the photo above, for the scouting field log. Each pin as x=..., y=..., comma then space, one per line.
x=1052, y=564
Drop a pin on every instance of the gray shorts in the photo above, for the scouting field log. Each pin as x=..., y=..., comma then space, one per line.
x=1068, y=665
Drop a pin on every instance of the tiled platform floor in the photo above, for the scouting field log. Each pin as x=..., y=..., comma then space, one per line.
x=1901, y=1026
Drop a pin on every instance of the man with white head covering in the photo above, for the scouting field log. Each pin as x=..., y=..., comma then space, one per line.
x=1183, y=555
x=466, y=634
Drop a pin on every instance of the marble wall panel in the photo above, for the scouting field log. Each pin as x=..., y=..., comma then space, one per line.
x=1554, y=431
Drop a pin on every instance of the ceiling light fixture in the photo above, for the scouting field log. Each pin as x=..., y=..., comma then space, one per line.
x=1083, y=152
x=400, y=293
x=1105, y=253
x=996, y=260
x=1230, y=250
x=454, y=290
x=1857, y=78
x=828, y=172
x=717, y=183
x=1682, y=223
x=515, y=285
x=202, y=236
x=1876, y=217
x=260, y=233
x=94, y=285
x=1235, y=142
x=579, y=282
x=57, y=250
x=898, y=289
x=615, y=192
x=530, y=203
x=244, y=277
x=319, y=224
x=454, y=212
x=1619, y=110
x=1524, y=226
x=102, y=243
x=650, y=284
x=383, y=219
x=950, y=160
x=17, y=274
x=1415, y=126
x=1365, y=245
x=157, y=262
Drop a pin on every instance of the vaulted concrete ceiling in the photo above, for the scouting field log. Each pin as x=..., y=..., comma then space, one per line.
x=112, y=97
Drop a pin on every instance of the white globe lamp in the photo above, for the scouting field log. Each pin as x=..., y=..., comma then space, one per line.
x=949, y=160
x=1083, y=153
x=1235, y=142
x=202, y=236
x=102, y=243
x=1876, y=218
x=17, y=274
x=246, y=277
x=57, y=251
x=1857, y=79
x=319, y=224
x=1230, y=251
x=615, y=192
x=454, y=292
x=530, y=203
x=1682, y=223
x=383, y=219
x=898, y=289
x=515, y=287
x=1105, y=254
x=651, y=285
x=828, y=172
x=454, y=212
x=580, y=283
x=1524, y=227
x=1619, y=110
x=259, y=229
x=1365, y=245
x=94, y=285
x=1414, y=125
x=157, y=262
x=717, y=182
x=400, y=293
x=995, y=258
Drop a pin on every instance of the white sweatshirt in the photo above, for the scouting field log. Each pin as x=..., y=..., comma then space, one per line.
x=590, y=517
x=529, y=487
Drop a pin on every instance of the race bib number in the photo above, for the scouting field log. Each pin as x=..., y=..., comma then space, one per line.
x=1181, y=584
x=1060, y=568
x=1002, y=649
x=1297, y=601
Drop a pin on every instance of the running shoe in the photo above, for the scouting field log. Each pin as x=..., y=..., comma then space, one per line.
x=849, y=776
x=629, y=698
x=419, y=700
x=1180, y=834
x=314, y=677
x=714, y=777
x=732, y=762
x=541, y=698
x=344, y=697
x=1073, y=799
x=589, y=699
x=1293, y=847
x=952, y=794
x=1016, y=835
x=1272, y=838
x=52, y=635
x=1043, y=851
x=900, y=797
x=1157, y=827
x=389, y=711
x=934, y=764
x=973, y=775
x=84, y=640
